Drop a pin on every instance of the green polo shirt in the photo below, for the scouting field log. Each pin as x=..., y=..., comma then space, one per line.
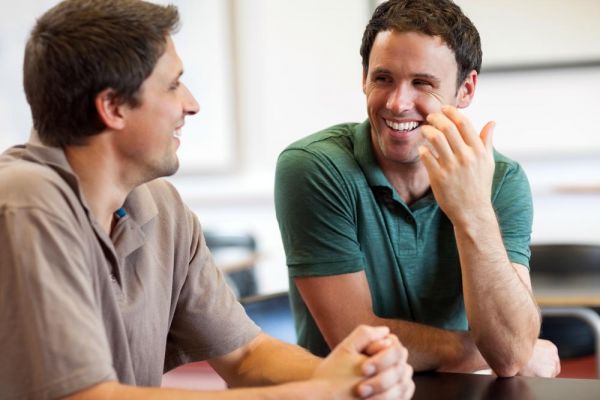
x=338, y=214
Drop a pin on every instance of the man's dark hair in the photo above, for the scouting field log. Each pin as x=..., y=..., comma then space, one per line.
x=440, y=18
x=81, y=47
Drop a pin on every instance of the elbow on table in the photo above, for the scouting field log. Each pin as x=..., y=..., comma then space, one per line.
x=507, y=370
x=508, y=363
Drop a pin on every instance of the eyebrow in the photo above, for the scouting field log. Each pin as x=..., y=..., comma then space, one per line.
x=430, y=77
x=178, y=76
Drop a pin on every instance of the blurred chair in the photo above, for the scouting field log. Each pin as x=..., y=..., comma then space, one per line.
x=566, y=283
x=273, y=314
x=235, y=255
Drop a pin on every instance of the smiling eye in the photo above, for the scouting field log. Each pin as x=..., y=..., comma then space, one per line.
x=382, y=79
x=420, y=82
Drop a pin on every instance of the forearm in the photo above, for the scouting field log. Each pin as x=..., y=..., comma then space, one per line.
x=292, y=391
x=503, y=316
x=271, y=362
x=431, y=348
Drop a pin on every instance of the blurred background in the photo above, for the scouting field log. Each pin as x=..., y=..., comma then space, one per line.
x=267, y=72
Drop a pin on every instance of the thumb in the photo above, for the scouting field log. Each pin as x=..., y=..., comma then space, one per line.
x=364, y=335
x=487, y=134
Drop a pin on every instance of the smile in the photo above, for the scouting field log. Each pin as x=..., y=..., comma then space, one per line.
x=402, y=126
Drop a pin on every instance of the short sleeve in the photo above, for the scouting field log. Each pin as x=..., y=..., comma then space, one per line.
x=208, y=321
x=52, y=339
x=316, y=215
x=514, y=209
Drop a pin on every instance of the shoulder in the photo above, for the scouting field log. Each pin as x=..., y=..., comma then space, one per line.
x=26, y=184
x=510, y=186
x=326, y=151
x=507, y=170
x=172, y=212
x=163, y=192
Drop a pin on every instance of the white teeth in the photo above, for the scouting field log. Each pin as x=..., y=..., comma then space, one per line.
x=177, y=133
x=402, y=126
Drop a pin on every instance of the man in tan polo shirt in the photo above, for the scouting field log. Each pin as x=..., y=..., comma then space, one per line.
x=105, y=278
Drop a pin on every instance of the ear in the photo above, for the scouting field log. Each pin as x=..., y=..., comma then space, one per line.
x=364, y=80
x=109, y=109
x=466, y=91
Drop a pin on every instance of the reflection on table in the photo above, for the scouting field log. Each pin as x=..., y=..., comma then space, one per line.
x=450, y=386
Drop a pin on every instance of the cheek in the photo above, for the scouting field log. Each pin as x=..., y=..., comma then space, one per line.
x=430, y=102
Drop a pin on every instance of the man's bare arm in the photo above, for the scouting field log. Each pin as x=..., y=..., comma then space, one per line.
x=502, y=313
x=369, y=362
x=429, y=348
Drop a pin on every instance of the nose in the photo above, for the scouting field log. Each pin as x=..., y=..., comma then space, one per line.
x=400, y=99
x=190, y=105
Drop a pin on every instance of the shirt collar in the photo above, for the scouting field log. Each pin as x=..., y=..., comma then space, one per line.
x=139, y=204
x=364, y=155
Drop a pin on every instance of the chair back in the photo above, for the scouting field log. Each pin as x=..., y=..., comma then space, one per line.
x=561, y=259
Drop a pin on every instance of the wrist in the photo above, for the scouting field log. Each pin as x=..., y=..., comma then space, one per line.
x=473, y=221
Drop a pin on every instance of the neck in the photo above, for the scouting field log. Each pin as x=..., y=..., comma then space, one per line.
x=99, y=181
x=410, y=180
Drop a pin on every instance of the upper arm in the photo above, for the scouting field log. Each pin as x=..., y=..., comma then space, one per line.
x=338, y=303
x=208, y=320
x=316, y=216
x=48, y=307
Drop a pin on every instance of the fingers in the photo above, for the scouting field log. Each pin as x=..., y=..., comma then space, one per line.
x=362, y=336
x=389, y=375
x=487, y=134
x=447, y=129
x=384, y=354
x=441, y=149
x=461, y=125
x=394, y=382
x=457, y=130
x=429, y=160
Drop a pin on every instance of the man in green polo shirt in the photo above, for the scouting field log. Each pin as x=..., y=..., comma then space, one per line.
x=411, y=219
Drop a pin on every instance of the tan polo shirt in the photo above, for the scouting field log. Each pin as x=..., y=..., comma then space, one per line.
x=78, y=308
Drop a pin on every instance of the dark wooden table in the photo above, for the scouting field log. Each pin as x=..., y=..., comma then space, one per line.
x=450, y=386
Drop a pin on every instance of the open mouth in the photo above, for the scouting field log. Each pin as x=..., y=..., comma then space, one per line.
x=402, y=126
x=177, y=133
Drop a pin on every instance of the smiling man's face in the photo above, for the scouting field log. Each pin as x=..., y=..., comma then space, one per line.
x=410, y=75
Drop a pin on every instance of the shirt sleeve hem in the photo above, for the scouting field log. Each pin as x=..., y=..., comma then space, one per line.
x=518, y=258
x=326, y=269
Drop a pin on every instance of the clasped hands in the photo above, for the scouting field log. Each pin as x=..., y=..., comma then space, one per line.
x=371, y=363
x=459, y=162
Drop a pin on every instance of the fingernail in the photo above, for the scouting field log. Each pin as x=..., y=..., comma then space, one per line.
x=365, y=390
x=369, y=369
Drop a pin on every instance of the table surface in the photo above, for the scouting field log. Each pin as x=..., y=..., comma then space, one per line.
x=450, y=386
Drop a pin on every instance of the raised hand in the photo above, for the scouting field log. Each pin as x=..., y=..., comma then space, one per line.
x=460, y=163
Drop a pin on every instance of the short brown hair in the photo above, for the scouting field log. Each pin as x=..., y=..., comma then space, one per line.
x=440, y=18
x=81, y=47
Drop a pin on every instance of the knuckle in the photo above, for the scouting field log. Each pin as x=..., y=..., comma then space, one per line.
x=362, y=329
